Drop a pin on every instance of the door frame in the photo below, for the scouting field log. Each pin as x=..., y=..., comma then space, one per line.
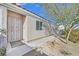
x=23, y=18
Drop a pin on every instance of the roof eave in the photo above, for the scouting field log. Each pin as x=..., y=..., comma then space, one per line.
x=19, y=10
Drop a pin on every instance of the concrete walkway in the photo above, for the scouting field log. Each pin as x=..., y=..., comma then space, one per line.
x=19, y=51
x=70, y=48
x=39, y=42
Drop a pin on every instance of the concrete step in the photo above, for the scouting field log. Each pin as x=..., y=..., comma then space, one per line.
x=18, y=51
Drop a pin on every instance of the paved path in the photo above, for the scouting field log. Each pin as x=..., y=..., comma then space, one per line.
x=18, y=51
x=71, y=48
x=21, y=50
x=39, y=42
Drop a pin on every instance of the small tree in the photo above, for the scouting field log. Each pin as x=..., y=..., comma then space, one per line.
x=67, y=14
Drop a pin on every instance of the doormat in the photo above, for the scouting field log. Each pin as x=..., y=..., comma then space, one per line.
x=16, y=43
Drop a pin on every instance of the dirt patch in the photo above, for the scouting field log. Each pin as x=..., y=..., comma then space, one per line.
x=53, y=48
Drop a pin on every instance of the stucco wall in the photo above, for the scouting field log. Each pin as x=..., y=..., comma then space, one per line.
x=30, y=32
x=3, y=24
x=25, y=29
x=3, y=17
x=0, y=17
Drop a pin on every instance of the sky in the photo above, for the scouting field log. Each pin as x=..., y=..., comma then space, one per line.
x=37, y=9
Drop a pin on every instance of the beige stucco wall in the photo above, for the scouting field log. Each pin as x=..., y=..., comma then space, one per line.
x=29, y=29
x=25, y=29
x=0, y=17
x=3, y=17
x=3, y=22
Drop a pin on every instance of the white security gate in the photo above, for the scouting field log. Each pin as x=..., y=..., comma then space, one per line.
x=15, y=26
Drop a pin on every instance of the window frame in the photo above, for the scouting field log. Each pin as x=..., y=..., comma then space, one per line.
x=39, y=25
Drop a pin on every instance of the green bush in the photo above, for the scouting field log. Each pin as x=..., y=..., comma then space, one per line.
x=74, y=36
x=2, y=51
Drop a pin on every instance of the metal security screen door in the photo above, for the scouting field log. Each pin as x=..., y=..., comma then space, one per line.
x=15, y=26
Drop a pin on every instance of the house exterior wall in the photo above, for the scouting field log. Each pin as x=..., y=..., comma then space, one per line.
x=0, y=17
x=30, y=32
x=25, y=29
x=3, y=24
x=3, y=17
x=29, y=23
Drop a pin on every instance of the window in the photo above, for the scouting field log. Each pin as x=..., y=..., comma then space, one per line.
x=38, y=25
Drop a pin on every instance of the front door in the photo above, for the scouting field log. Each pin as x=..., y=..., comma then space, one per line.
x=15, y=26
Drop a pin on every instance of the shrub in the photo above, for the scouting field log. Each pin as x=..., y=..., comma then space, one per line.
x=2, y=51
x=74, y=36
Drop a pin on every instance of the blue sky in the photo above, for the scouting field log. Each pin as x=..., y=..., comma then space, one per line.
x=37, y=9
